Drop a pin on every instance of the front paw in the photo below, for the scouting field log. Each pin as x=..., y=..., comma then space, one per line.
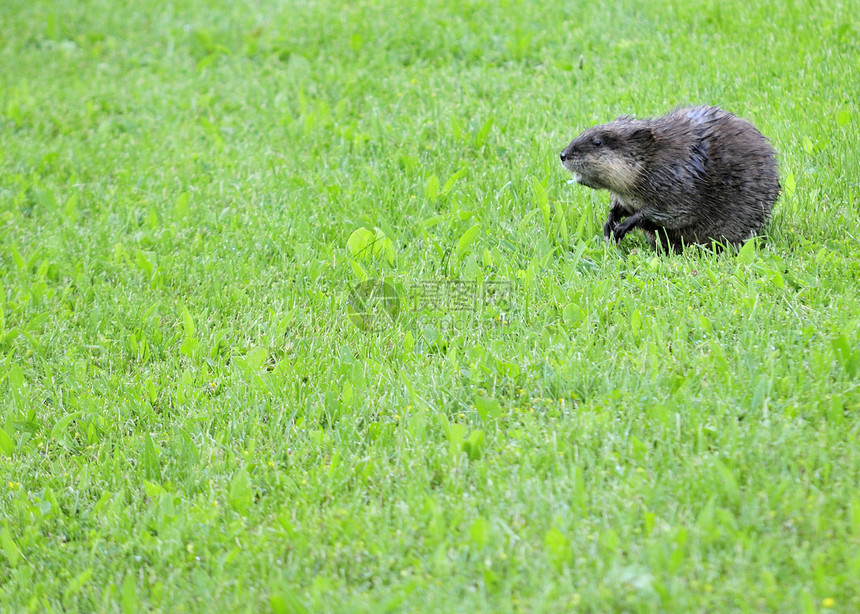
x=620, y=230
x=609, y=228
x=626, y=226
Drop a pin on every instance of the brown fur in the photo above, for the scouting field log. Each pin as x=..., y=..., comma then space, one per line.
x=695, y=176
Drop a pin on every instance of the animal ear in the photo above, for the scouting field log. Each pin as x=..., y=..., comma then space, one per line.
x=642, y=135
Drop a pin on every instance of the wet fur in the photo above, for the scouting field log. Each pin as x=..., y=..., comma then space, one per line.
x=695, y=176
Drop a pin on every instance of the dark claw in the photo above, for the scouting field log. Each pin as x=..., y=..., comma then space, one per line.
x=608, y=229
x=616, y=212
x=626, y=226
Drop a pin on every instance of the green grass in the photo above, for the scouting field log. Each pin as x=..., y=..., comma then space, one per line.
x=196, y=414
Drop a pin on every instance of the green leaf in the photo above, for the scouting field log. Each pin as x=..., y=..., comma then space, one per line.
x=256, y=358
x=488, y=409
x=358, y=271
x=847, y=356
x=431, y=188
x=287, y=602
x=151, y=391
x=557, y=547
x=483, y=133
x=151, y=468
x=18, y=259
x=45, y=198
x=8, y=337
x=130, y=603
x=748, y=253
x=542, y=200
x=70, y=208
x=457, y=127
x=189, y=346
x=452, y=180
x=636, y=320
x=10, y=548
x=77, y=583
x=360, y=242
x=187, y=323
x=185, y=387
x=761, y=391
x=479, y=532
x=153, y=490
x=7, y=446
x=486, y=258
x=727, y=482
x=706, y=520
x=573, y=315
x=855, y=516
x=180, y=207
x=383, y=245
x=240, y=495
x=466, y=240
x=456, y=434
x=563, y=232
x=144, y=261
x=789, y=184
x=62, y=424
x=473, y=446
x=843, y=118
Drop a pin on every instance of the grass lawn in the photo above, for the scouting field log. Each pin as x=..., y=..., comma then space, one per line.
x=298, y=312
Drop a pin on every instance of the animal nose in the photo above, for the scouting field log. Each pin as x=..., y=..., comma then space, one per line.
x=563, y=156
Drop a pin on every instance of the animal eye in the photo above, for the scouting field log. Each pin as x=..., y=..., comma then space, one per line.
x=597, y=142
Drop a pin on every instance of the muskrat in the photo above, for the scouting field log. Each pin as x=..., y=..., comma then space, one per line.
x=697, y=175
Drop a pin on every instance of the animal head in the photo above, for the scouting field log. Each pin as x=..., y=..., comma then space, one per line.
x=609, y=156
